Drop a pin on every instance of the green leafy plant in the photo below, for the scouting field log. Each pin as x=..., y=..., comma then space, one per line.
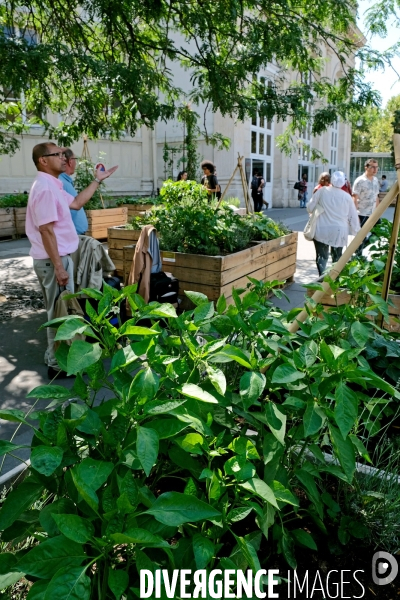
x=189, y=222
x=209, y=452
x=138, y=201
x=14, y=200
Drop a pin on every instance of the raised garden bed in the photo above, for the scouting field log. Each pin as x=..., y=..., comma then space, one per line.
x=329, y=301
x=118, y=238
x=7, y=222
x=137, y=210
x=217, y=275
x=20, y=218
x=100, y=220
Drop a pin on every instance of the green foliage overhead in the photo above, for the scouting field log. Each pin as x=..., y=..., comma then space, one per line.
x=109, y=67
x=373, y=129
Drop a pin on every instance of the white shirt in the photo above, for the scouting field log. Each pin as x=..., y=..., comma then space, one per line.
x=367, y=191
x=338, y=219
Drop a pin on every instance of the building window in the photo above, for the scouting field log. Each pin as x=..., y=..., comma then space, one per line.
x=254, y=142
x=334, y=146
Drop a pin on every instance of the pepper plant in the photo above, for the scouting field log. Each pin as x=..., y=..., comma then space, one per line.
x=197, y=441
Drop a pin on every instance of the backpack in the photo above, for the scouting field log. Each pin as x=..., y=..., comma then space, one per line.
x=163, y=288
x=255, y=183
x=297, y=185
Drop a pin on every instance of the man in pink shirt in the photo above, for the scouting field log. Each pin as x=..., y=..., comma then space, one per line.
x=51, y=231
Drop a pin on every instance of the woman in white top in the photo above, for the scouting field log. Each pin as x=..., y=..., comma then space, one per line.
x=335, y=223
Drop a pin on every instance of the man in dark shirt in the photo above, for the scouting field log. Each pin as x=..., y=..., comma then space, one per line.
x=209, y=180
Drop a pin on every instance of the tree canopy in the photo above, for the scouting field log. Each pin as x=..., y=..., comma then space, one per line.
x=110, y=66
x=374, y=130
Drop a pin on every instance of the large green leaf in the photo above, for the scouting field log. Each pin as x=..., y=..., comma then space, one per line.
x=118, y=581
x=46, y=459
x=8, y=563
x=360, y=333
x=276, y=421
x=94, y=472
x=197, y=297
x=126, y=356
x=9, y=579
x=6, y=447
x=129, y=328
x=21, y=498
x=173, y=508
x=12, y=414
x=203, y=311
x=307, y=480
x=313, y=419
x=70, y=328
x=161, y=406
x=74, y=527
x=229, y=353
x=144, y=386
x=217, y=378
x=81, y=355
x=61, y=506
x=48, y=557
x=344, y=450
x=304, y=539
x=139, y=536
x=166, y=428
x=252, y=385
x=260, y=488
x=194, y=391
x=346, y=409
x=286, y=374
x=283, y=494
x=50, y=391
x=38, y=590
x=69, y=584
x=147, y=448
x=84, y=489
x=203, y=550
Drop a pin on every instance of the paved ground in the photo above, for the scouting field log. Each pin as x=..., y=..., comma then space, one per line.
x=22, y=345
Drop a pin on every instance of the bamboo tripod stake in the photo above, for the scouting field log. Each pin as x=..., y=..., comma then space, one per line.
x=395, y=229
x=244, y=185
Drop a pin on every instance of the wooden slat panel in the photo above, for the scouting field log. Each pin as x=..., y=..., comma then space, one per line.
x=231, y=260
x=116, y=253
x=273, y=270
x=192, y=261
x=121, y=243
x=7, y=231
x=121, y=210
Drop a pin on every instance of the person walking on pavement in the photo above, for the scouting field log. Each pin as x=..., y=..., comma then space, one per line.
x=332, y=227
x=257, y=184
x=324, y=179
x=302, y=187
x=52, y=233
x=365, y=194
x=79, y=217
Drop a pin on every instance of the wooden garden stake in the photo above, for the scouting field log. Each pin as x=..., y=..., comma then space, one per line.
x=395, y=230
x=247, y=200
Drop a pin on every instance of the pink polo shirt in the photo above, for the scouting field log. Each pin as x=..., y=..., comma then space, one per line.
x=49, y=203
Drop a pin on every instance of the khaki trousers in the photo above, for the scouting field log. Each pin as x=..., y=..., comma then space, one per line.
x=44, y=270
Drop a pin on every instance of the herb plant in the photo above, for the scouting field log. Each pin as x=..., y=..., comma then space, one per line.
x=212, y=452
x=14, y=200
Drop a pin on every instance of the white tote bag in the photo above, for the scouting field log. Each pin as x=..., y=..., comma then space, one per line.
x=309, y=229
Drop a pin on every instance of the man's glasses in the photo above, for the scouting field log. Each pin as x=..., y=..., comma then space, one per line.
x=59, y=154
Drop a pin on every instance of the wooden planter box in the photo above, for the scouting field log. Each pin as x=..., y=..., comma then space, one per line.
x=118, y=238
x=217, y=275
x=7, y=222
x=137, y=210
x=101, y=220
x=343, y=297
x=20, y=218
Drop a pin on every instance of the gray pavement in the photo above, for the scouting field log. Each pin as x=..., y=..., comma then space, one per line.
x=22, y=345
